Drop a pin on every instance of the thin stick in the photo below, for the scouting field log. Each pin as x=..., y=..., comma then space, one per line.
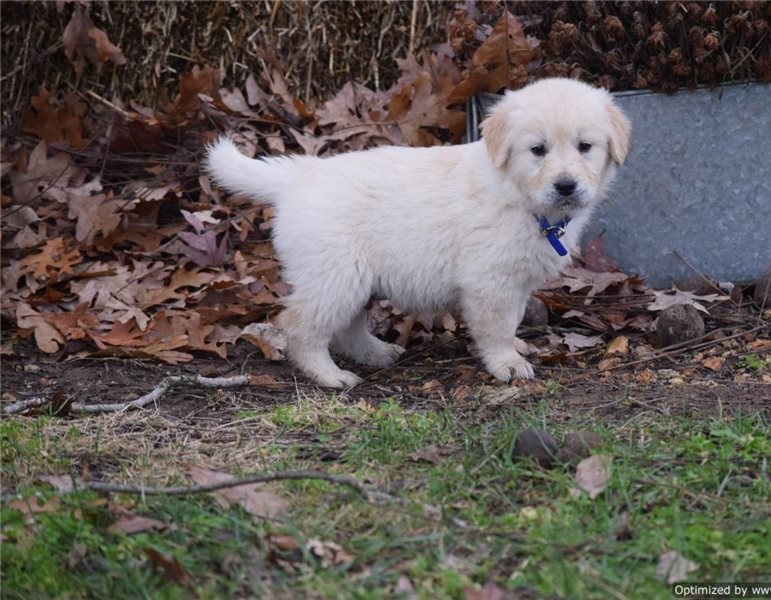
x=24, y=405
x=354, y=484
x=413, y=21
x=688, y=264
x=370, y=495
x=682, y=346
x=153, y=396
x=125, y=114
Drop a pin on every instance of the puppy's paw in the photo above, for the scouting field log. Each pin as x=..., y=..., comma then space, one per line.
x=340, y=379
x=510, y=367
x=383, y=355
x=522, y=370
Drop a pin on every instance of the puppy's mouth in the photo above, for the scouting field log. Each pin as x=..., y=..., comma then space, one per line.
x=566, y=194
x=574, y=201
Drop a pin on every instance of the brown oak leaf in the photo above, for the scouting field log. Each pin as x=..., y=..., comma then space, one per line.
x=47, y=337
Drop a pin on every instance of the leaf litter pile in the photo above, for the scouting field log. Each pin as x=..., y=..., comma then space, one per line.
x=115, y=244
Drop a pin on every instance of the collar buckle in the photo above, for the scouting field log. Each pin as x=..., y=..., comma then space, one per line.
x=553, y=233
x=555, y=230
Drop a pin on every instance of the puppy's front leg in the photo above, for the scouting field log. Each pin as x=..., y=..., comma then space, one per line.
x=493, y=320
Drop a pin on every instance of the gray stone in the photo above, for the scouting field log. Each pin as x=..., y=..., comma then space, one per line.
x=579, y=444
x=536, y=313
x=536, y=445
x=677, y=324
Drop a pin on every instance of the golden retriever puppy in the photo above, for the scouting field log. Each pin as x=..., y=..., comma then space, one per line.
x=475, y=227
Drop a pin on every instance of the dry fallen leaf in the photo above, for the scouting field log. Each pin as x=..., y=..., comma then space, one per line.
x=47, y=337
x=268, y=338
x=129, y=523
x=54, y=119
x=52, y=259
x=606, y=364
x=95, y=213
x=287, y=543
x=593, y=473
x=432, y=453
x=576, y=341
x=76, y=555
x=577, y=279
x=619, y=345
x=665, y=299
x=75, y=38
x=32, y=505
x=61, y=483
x=505, y=48
x=404, y=588
x=490, y=591
x=595, y=258
x=169, y=565
x=193, y=83
x=645, y=377
x=759, y=346
x=714, y=363
x=250, y=497
x=329, y=553
x=105, y=50
x=673, y=567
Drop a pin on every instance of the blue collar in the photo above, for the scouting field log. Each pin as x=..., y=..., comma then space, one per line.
x=553, y=233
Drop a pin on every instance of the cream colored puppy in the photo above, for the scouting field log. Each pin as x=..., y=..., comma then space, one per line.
x=476, y=227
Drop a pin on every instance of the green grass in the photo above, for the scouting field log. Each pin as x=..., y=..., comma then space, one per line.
x=753, y=362
x=700, y=487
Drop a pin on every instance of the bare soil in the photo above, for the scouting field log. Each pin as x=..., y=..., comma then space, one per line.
x=435, y=376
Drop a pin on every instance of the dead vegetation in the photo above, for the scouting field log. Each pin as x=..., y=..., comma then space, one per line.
x=324, y=45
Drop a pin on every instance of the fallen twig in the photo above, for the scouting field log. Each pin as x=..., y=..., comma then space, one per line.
x=24, y=405
x=688, y=346
x=156, y=394
x=369, y=494
x=702, y=275
x=99, y=486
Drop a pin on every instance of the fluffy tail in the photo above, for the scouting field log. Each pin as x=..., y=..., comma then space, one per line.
x=262, y=179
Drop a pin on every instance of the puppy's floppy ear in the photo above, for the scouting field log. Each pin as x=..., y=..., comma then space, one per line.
x=620, y=130
x=494, y=131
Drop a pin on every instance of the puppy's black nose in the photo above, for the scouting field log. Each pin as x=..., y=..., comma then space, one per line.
x=565, y=186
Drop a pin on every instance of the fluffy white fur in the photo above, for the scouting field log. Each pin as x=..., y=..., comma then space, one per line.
x=432, y=228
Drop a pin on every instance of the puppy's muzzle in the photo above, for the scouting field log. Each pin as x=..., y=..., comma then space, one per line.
x=565, y=186
x=566, y=192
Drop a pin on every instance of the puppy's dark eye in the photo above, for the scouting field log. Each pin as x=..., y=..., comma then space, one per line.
x=539, y=150
x=584, y=147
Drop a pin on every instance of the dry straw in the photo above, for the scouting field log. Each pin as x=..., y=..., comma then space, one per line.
x=322, y=44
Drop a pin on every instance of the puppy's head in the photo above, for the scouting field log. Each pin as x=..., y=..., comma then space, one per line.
x=559, y=142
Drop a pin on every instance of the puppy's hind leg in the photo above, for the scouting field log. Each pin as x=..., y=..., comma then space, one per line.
x=357, y=343
x=308, y=338
x=324, y=302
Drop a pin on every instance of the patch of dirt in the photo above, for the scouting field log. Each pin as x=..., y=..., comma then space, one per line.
x=441, y=374
x=236, y=427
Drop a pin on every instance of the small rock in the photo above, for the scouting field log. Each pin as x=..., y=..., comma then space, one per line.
x=679, y=323
x=763, y=290
x=536, y=313
x=31, y=368
x=536, y=445
x=642, y=351
x=579, y=444
x=622, y=529
x=690, y=283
